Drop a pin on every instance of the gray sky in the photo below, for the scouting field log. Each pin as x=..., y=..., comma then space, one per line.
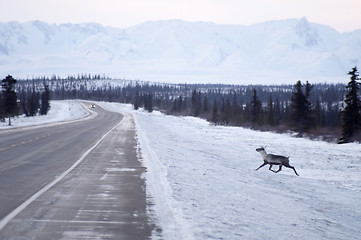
x=343, y=15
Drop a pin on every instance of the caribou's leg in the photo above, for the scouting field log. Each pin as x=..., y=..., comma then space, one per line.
x=270, y=168
x=289, y=166
x=261, y=165
x=279, y=169
x=294, y=170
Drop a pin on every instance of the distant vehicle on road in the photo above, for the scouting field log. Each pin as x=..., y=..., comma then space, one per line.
x=92, y=106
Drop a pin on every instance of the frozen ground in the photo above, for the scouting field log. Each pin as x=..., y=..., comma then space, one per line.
x=205, y=186
x=59, y=111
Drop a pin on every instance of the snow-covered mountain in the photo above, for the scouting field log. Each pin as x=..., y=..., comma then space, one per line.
x=177, y=51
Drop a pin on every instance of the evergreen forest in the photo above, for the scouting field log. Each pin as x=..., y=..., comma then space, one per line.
x=304, y=108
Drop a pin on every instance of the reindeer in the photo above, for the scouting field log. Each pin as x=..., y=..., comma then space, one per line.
x=274, y=160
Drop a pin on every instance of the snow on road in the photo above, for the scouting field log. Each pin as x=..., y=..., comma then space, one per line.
x=204, y=184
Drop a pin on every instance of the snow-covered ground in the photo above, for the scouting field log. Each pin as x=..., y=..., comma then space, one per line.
x=204, y=185
x=203, y=182
x=59, y=111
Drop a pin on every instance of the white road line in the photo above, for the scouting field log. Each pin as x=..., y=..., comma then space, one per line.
x=82, y=222
x=20, y=208
x=104, y=177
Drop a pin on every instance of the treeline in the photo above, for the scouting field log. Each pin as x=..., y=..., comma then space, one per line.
x=305, y=108
x=23, y=100
x=257, y=106
x=261, y=106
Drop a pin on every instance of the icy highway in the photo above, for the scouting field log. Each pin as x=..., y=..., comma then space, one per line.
x=75, y=180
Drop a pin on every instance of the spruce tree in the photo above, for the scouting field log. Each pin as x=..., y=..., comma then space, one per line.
x=23, y=100
x=9, y=97
x=205, y=104
x=270, y=109
x=256, y=107
x=45, y=100
x=33, y=103
x=227, y=112
x=215, y=112
x=148, y=104
x=180, y=104
x=277, y=112
x=2, y=112
x=196, y=103
x=309, y=119
x=301, y=108
x=136, y=100
x=351, y=114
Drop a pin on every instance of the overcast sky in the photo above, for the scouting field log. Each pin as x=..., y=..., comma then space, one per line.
x=343, y=15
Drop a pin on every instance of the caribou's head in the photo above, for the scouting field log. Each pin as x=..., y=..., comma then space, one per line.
x=260, y=149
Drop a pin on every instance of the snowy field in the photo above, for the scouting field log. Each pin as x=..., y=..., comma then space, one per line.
x=204, y=185
x=203, y=182
x=59, y=111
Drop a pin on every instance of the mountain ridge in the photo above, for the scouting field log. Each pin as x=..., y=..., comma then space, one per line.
x=179, y=51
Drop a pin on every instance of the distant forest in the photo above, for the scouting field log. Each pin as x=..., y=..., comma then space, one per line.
x=262, y=107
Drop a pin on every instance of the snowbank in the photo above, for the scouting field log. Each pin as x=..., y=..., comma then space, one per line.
x=204, y=184
x=59, y=111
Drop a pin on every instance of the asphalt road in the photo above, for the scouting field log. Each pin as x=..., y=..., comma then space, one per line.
x=102, y=196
